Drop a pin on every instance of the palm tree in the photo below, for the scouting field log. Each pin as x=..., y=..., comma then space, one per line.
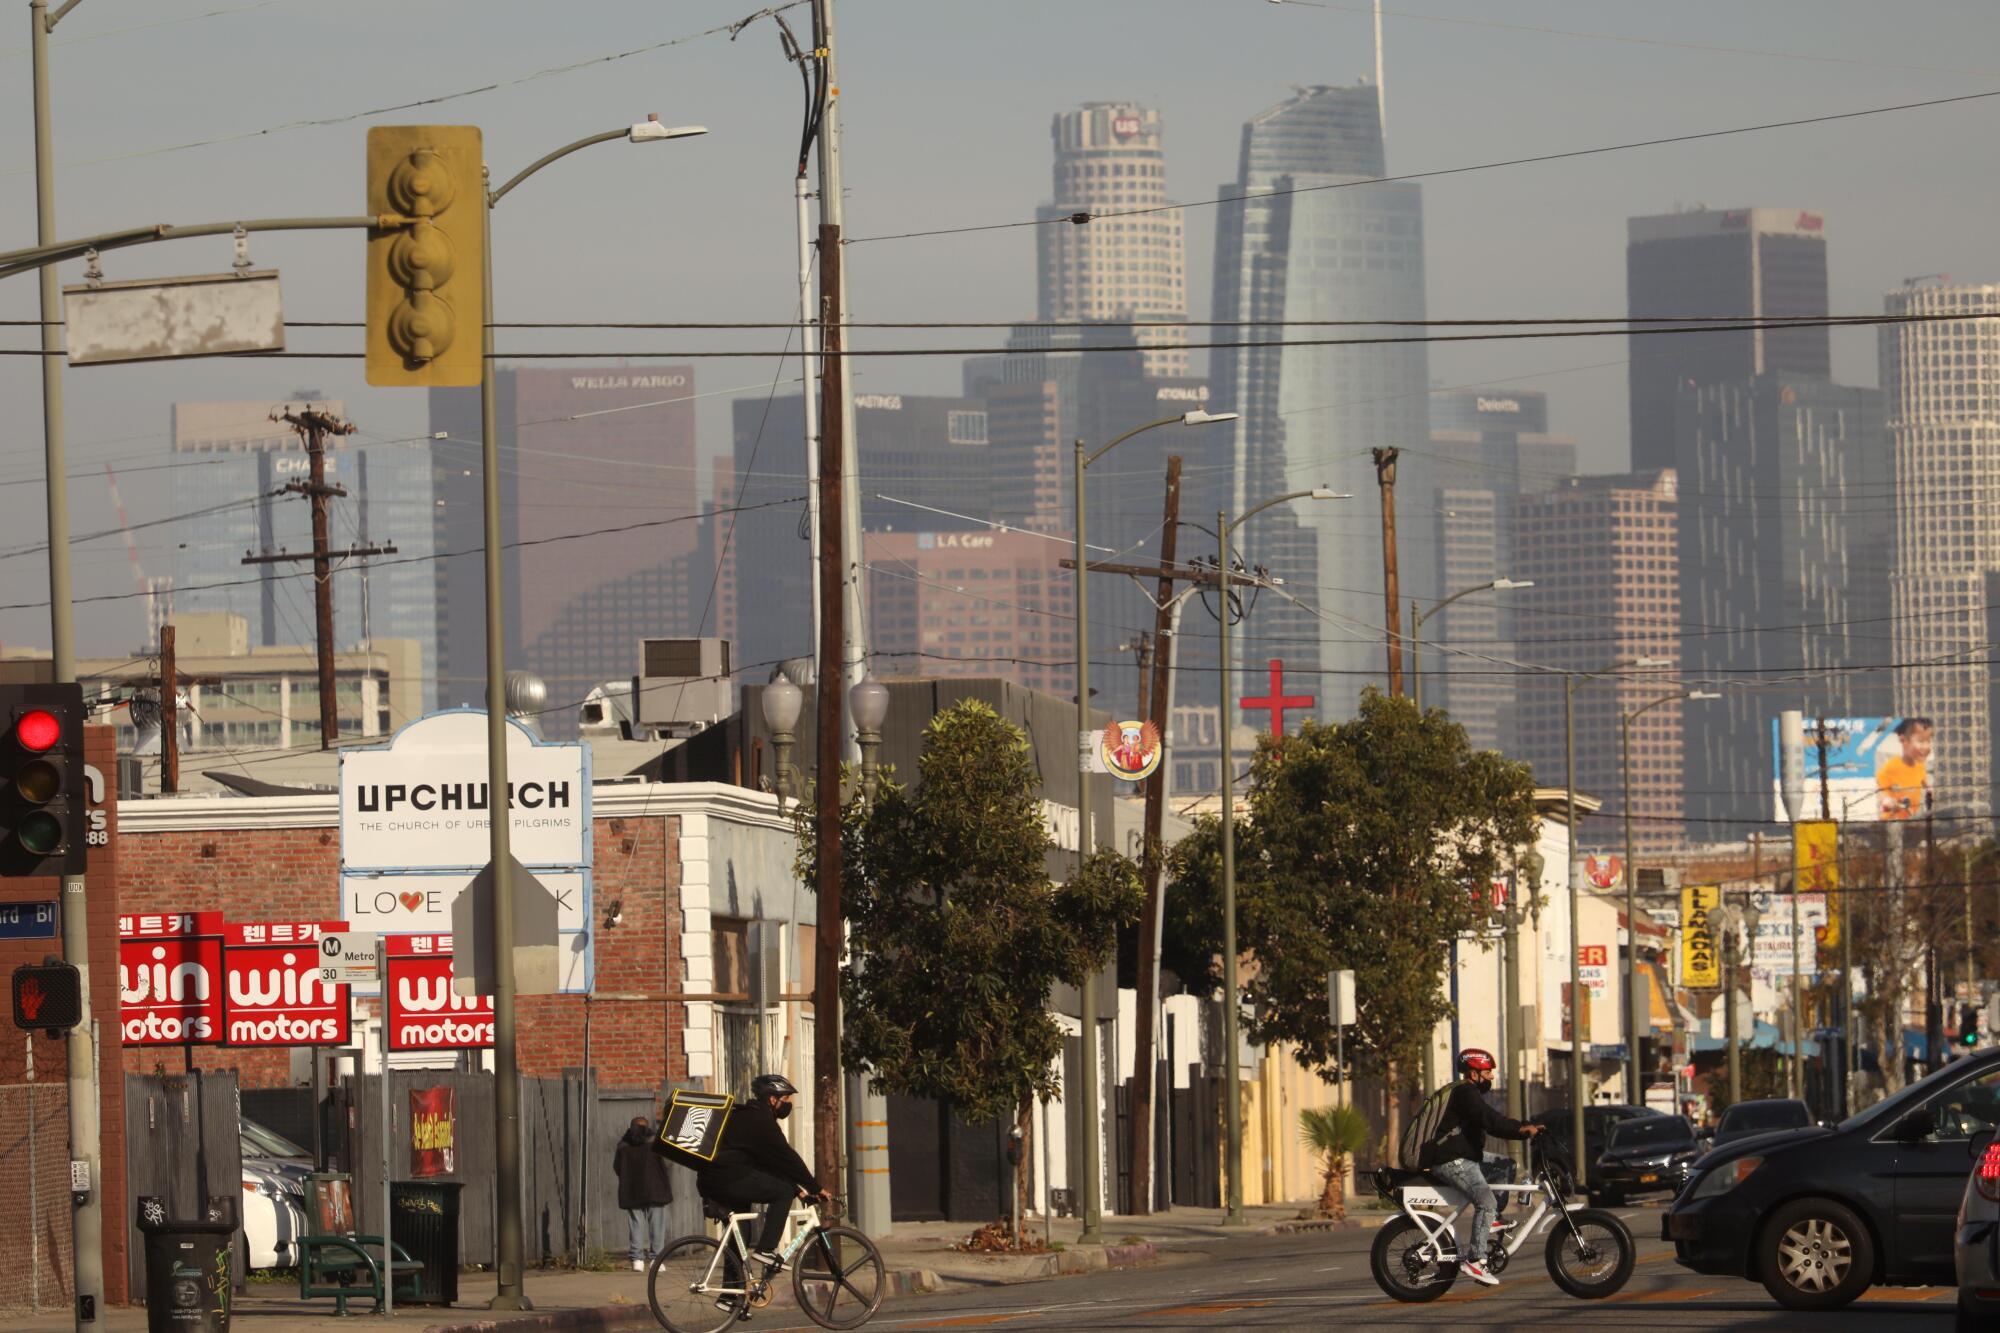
x=1335, y=1133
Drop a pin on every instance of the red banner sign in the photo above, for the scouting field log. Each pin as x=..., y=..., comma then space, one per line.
x=272, y=994
x=425, y=1014
x=170, y=979
x=433, y=1121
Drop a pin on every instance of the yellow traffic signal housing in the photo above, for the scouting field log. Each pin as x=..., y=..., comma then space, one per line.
x=426, y=276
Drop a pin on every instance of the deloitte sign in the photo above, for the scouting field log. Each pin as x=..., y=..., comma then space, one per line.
x=415, y=830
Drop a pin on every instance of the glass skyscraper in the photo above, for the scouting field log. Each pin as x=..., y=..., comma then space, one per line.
x=1310, y=241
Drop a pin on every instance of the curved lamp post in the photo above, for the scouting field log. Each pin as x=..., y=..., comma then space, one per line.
x=506, y=1074
x=1418, y=617
x=868, y=704
x=1093, y=1207
x=1232, y=1114
x=782, y=702
x=1572, y=682
x=1629, y=973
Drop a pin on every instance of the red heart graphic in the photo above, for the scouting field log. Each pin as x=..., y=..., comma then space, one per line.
x=411, y=900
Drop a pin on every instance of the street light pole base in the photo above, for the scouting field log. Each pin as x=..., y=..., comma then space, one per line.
x=511, y=1301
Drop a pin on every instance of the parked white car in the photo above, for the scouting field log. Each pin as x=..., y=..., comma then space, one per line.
x=274, y=1195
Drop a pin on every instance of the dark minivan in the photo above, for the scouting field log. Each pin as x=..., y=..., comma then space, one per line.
x=1820, y=1214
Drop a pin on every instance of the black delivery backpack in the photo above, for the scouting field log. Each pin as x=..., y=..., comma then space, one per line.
x=691, y=1130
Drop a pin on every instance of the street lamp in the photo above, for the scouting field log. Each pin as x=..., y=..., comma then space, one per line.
x=1572, y=682
x=868, y=704
x=1418, y=617
x=1630, y=1006
x=506, y=1074
x=782, y=701
x=1232, y=1115
x=1092, y=1202
x=1528, y=866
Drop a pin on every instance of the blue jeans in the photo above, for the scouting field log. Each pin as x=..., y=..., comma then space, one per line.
x=645, y=1229
x=1469, y=1180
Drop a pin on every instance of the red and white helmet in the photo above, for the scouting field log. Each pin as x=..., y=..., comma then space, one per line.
x=1472, y=1058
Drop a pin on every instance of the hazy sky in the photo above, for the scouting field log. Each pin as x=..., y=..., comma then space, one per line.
x=947, y=108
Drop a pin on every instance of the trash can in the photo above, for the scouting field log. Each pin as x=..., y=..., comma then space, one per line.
x=423, y=1219
x=187, y=1267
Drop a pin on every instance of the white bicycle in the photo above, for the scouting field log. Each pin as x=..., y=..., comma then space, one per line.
x=699, y=1284
x=1415, y=1257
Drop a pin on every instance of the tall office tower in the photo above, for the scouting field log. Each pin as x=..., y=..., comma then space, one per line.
x=598, y=485
x=972, y=604
x=1784, y=540
x=1292, y=245
x=1109, y=162
x=1493, y=448
x=1603, y=550
x=1736, y=264
x=231, y=463
x=925, y=461
x=1941, y=377
x=1039, y=402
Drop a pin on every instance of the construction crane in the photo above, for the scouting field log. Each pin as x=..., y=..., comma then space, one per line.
x=157, y=592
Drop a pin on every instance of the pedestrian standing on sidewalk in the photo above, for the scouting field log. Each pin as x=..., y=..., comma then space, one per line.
x=644, y=1191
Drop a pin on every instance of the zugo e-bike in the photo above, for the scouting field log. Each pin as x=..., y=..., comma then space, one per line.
x=1589, y=1252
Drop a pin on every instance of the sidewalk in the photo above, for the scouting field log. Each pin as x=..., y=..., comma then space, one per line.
x=918, y=1256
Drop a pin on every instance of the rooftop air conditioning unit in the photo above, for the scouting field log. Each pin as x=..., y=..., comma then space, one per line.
x=683, y=685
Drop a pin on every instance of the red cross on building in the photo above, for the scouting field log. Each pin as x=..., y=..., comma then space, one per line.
x=1277, y=701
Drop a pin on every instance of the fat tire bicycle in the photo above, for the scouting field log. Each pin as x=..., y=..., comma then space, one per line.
x=697, y=1284
x=1415, y=1257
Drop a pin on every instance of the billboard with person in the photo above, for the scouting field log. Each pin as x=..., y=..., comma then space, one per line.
x=1877, y=768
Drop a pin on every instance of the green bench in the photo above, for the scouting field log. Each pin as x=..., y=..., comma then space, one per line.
x=336, y=1261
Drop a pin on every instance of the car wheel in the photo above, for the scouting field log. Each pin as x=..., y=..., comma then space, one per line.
x=1815, y=1255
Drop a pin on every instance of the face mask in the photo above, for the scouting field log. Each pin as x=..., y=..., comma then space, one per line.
x=782, y=1110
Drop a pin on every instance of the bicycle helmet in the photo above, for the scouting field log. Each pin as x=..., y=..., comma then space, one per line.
x=1472, y=1058
x=771, y=1085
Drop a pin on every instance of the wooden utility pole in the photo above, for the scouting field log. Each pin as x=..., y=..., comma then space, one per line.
x=827, y=941
x=1154, y=694
x=1392, y=623
x=170, y=740
x=313, y=427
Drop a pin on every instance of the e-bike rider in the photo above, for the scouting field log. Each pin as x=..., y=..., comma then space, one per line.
x=755, y=1165
x=1457, y=1146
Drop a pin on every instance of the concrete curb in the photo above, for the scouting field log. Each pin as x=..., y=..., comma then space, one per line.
x=595, y=1318
x=1312, y=1224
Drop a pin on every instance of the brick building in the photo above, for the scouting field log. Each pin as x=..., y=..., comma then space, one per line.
x=34, y=1097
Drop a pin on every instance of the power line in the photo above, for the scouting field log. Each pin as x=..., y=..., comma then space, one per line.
x=1442, y=171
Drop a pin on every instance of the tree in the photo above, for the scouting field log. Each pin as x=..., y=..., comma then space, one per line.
x=1335, y=1133
x=958, y=937
x=1367, y=845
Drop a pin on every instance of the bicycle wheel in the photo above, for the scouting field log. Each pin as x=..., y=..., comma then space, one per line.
x=683, y=1295
x=1596, y=1259
x=839, y=1279
x=1403, y=1266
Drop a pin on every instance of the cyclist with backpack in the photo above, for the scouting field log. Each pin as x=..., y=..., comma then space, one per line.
x=1456, y=1145
x=755, y=1165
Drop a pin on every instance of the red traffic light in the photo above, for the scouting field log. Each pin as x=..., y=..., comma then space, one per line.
x=37, y=730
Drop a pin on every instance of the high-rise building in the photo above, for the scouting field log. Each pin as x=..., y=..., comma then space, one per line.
x=1941, y=378
x=1603, y=550
x=1293, y=245
x=972, y=604
x=598, y=485
x=924, y=465
x=1784, y=537
x=1737, y=265
x=1491, y=448
x=232, y=462
x=1123, y=255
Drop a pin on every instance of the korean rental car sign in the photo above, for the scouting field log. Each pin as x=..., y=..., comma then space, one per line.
x=272, y=993
x=425, y=1013
x=170, y=978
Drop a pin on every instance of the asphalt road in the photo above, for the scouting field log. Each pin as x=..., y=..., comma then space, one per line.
x=1321, y=1280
